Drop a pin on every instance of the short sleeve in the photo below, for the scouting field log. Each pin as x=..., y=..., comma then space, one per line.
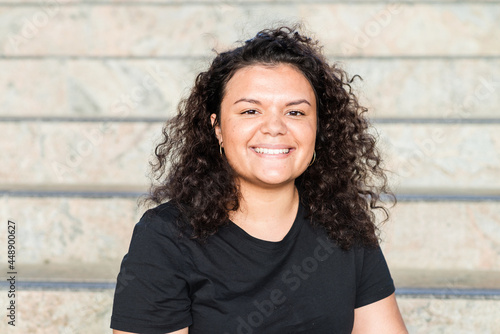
x=151, y=293
x=374, y=281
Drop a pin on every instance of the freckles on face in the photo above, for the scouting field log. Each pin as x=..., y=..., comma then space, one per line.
x=268, y=124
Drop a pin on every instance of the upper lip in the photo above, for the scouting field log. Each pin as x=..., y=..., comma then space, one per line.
x=273, y=146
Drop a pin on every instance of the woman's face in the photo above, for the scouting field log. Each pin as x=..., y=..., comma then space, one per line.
x=268, y=124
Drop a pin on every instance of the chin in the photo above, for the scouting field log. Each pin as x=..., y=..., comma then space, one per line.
x=276, y=181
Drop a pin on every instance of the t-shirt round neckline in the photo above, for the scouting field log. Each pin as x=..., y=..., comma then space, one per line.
x=241, y=234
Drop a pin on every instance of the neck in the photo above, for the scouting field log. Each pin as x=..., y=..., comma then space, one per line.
x=266, y=214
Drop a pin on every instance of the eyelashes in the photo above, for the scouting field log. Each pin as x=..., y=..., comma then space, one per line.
x=249, y=112
x=295, y=113
x=291, y=112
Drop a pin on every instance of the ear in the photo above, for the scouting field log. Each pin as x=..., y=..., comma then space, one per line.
x=218, y=132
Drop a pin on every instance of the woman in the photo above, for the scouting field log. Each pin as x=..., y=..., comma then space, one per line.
x=271, y=180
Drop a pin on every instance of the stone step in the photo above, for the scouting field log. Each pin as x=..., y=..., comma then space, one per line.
x=420, y=156
x=409, y=281
x=124, y=90
x=65, y=230
x=131, y=89
x=443, y=235
x=439, y=89
x=442, y=156
x=219, y=2
x=420, y=235
x=78, y=153
x=431, y=315
x=61, y=311
x=80, y=307
x=348, y=29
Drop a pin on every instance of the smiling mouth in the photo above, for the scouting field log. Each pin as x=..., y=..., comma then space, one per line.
x=272, y=151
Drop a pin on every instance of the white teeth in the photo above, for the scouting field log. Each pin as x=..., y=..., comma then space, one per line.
x=271, y=151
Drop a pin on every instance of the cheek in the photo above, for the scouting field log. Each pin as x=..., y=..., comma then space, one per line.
x=236, y=132
x=313, y=129
x=232, y=136
x=306, y=133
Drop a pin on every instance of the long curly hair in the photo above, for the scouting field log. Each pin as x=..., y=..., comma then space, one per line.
x=340, y=191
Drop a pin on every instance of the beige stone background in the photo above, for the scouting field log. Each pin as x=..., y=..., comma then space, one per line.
x=86, y=85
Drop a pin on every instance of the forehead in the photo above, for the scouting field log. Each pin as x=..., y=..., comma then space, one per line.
x=279, y=80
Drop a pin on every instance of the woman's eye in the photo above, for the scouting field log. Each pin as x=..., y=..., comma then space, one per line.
x=295, y=113
x=250, y=112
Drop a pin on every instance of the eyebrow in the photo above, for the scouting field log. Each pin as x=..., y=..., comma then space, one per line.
x=291, y=103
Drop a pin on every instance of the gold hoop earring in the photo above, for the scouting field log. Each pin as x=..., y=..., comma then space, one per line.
x=220, y=149
x=313, y=160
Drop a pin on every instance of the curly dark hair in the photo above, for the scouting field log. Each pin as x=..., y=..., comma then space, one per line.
x=340, y=190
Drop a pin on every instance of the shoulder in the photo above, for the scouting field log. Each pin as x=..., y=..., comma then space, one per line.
x=368, y=253
x=167, y=211
x=165, y=219
x=158, y=236
x=367, y=257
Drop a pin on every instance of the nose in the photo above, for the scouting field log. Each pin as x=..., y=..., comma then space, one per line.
x=274, y=124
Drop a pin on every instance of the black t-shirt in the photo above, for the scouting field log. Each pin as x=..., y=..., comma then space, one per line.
x=237, y=284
